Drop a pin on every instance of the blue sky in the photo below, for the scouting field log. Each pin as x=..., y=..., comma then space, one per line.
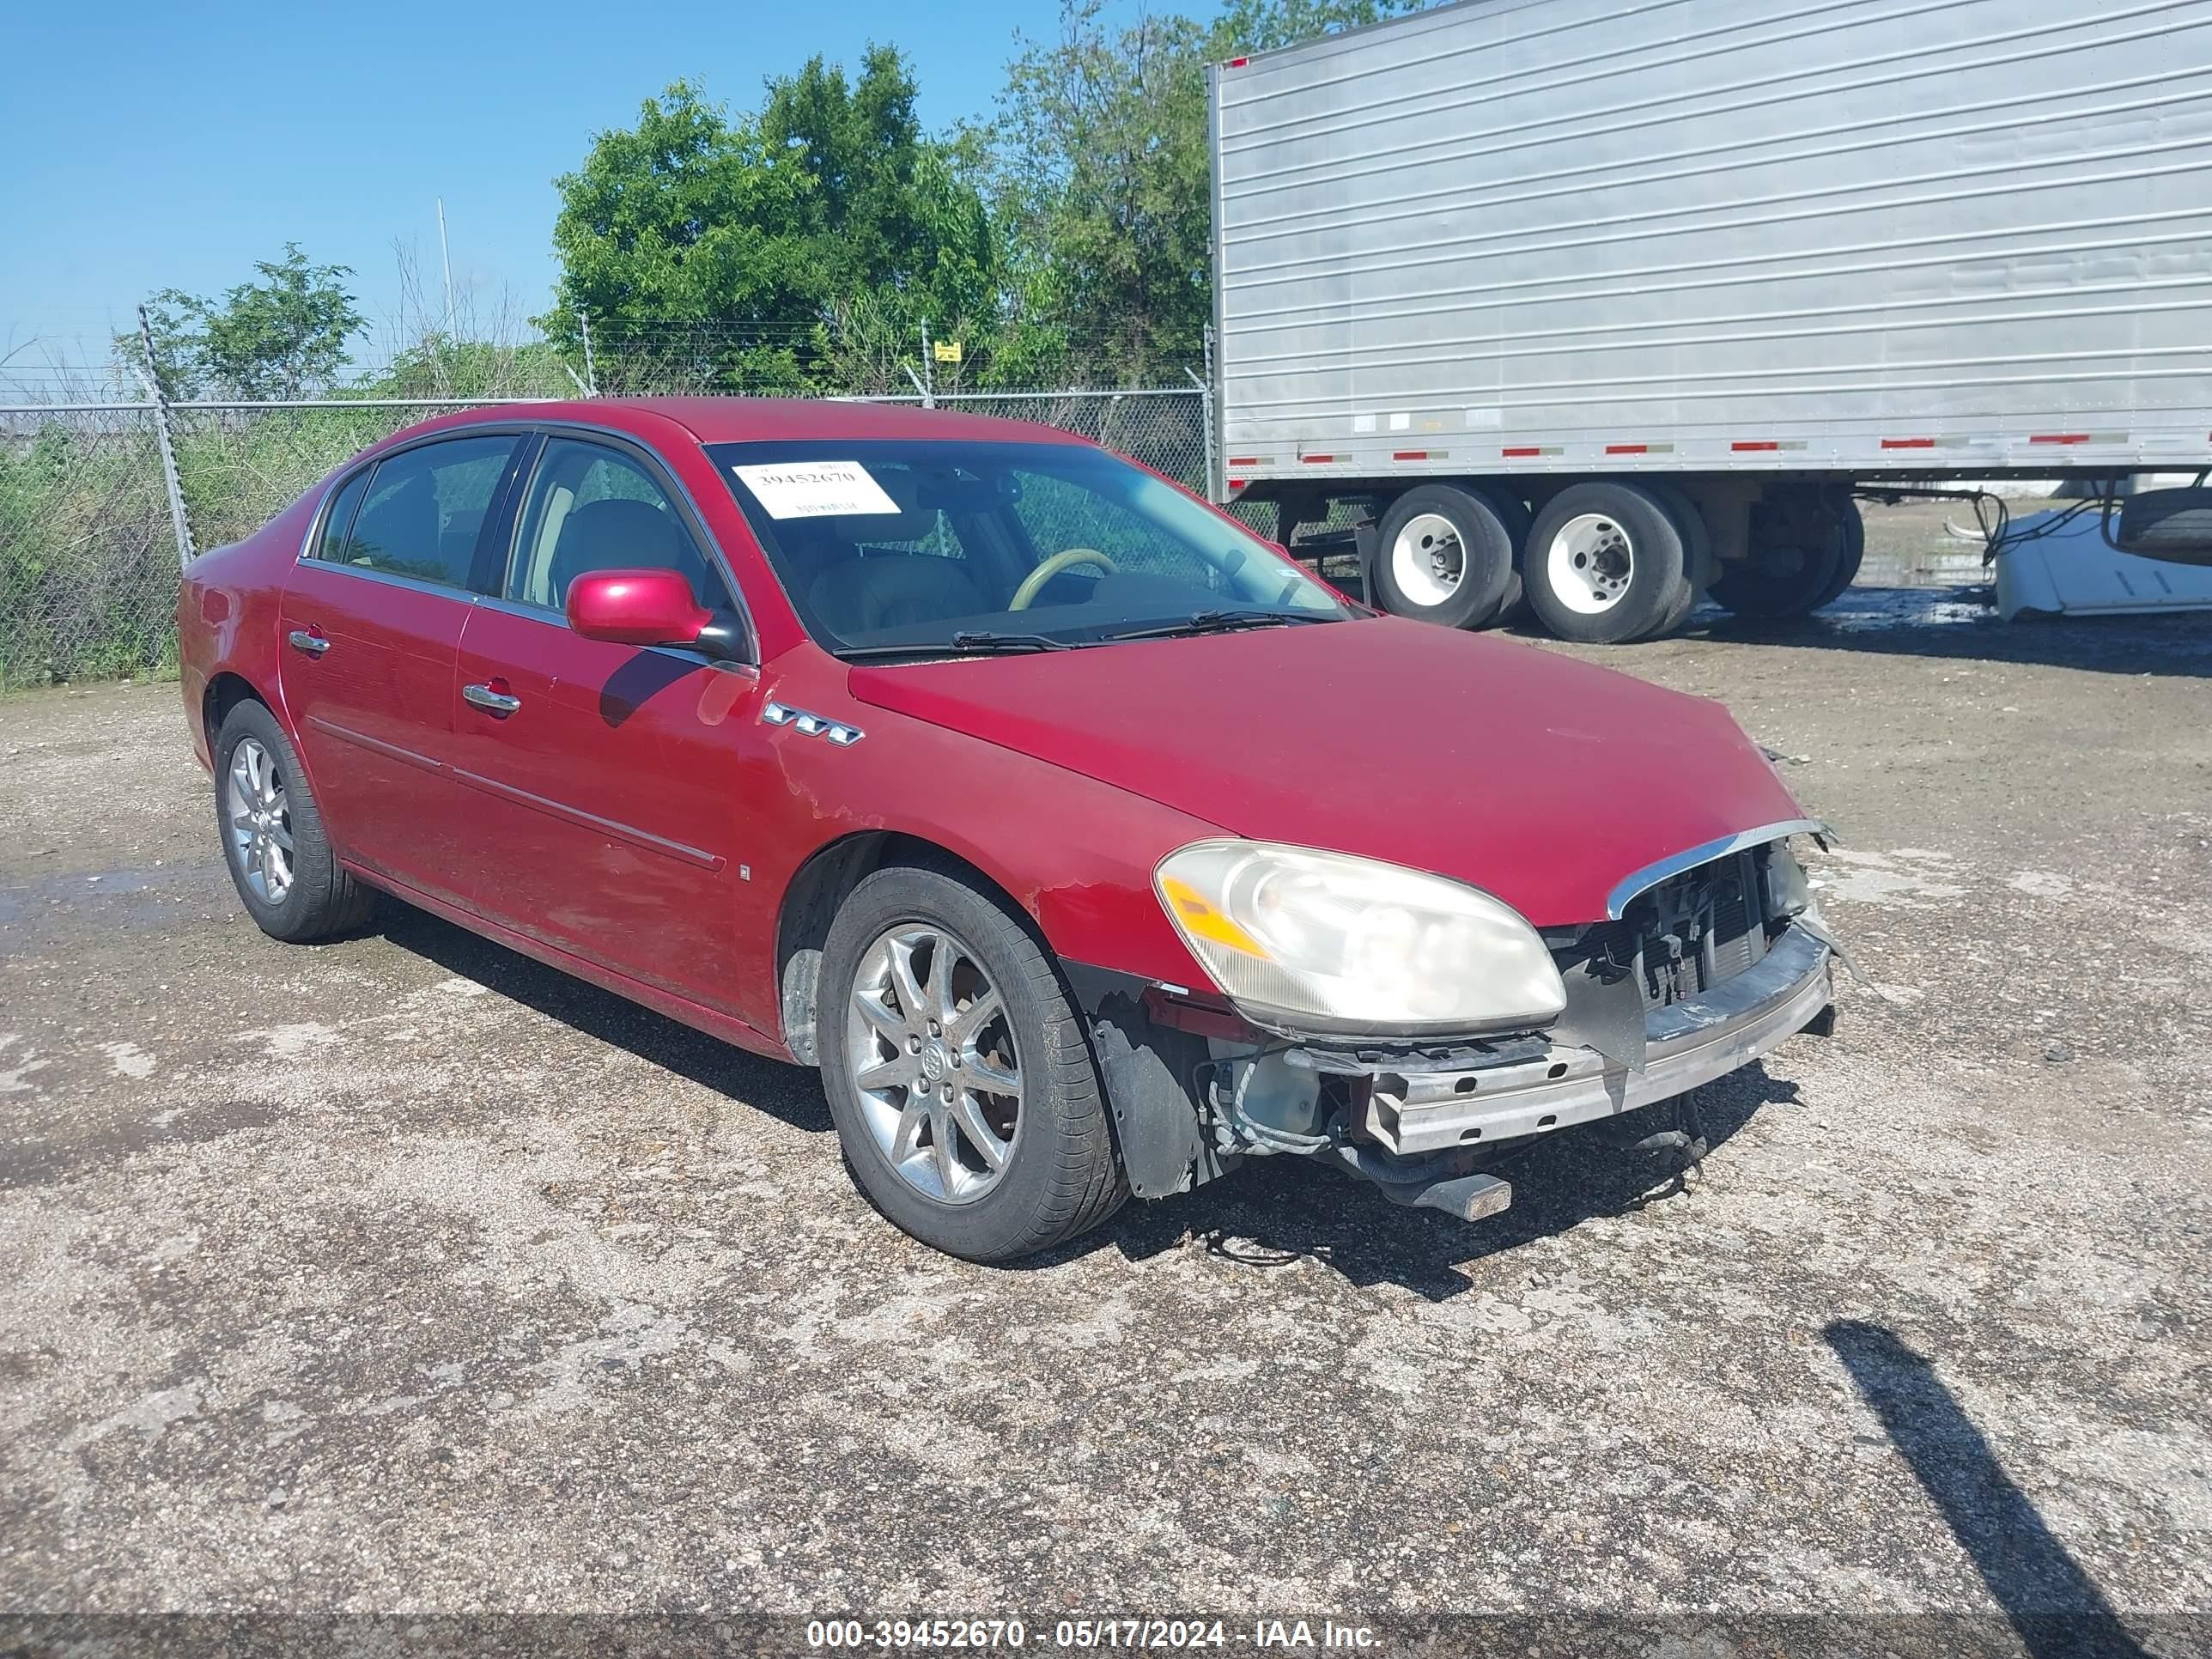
x=165, y=145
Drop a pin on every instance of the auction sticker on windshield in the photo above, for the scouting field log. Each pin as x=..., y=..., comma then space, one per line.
x=815, y=490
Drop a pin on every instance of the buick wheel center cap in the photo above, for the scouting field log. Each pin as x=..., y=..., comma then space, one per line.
x=933, y=1060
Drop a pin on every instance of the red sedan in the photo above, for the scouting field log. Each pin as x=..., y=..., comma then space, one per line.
x=1087, y=843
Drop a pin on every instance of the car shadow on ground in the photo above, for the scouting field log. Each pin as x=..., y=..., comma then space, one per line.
x=2055, y=1607
x=1271, y=1213
x=1275, y=1212
x=790, y=1093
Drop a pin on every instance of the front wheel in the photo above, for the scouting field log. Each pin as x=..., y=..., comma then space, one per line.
x=957, y=1071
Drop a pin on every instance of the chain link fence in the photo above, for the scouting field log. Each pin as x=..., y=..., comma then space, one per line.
x=89, y=556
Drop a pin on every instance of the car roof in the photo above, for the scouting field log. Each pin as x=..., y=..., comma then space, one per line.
x=750, y=420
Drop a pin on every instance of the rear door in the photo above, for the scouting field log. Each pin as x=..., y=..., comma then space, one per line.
x=613, y=785
x=372, y=617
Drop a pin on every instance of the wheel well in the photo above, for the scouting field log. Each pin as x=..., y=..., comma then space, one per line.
x=224, y=693
x=812, y=902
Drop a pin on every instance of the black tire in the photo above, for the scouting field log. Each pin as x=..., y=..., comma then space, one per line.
x=1657, y=564
x=2174, y=526
x=1847, y=568
x=1062, y=1177
x=1697, y=552
x=1484, y=566
x=322, y=901
x=1518, y=520
x=1797, y=543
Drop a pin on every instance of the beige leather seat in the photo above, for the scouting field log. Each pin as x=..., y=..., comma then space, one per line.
x=894, y=590
x=863, y=592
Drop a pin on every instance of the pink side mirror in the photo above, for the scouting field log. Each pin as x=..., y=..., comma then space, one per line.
x=636, y=607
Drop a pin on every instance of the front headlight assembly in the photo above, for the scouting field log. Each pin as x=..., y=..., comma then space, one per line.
x=1328, y=943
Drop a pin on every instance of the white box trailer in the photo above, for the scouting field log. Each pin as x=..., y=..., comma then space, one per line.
x=1623, y=298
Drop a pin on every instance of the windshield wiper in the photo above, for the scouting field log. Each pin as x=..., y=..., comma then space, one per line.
x=1218, y=621
x=969, y=642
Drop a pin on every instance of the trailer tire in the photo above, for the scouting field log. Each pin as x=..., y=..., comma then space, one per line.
x=1443, y=554
x=1696, y=553
x=1847, y=569
x=1514, y=602
x=1799, y=543
x=1605, y=563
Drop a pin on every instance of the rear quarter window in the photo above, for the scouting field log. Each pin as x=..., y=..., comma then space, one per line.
x=424, y=509
x=337, y=524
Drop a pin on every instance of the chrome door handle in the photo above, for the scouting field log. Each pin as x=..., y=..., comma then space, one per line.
x=485, y=697
x=314, y=644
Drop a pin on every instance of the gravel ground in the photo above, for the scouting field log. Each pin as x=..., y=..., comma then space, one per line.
x=402, y=1274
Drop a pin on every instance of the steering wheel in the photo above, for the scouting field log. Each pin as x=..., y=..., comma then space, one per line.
x=1033, y=584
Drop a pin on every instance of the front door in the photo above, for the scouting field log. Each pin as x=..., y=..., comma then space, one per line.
x=611, y=782
x=373, y=619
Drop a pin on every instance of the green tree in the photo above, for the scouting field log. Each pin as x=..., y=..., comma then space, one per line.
x=1249, y=26
x=282, y=336
x=761, y=243
x=688, y=220
x=1100, y=173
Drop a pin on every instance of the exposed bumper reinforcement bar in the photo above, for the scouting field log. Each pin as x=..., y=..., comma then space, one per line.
x=1690, y=1043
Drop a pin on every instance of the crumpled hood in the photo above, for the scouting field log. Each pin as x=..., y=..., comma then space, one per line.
x=1539, y=778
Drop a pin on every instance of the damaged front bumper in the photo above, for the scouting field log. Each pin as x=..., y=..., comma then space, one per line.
x=1690, y=1042
x=1194, y=1091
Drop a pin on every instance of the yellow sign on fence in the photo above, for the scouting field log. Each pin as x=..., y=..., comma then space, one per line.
x=945, y=351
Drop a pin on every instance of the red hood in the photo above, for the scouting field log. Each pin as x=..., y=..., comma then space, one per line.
x=1537, y=778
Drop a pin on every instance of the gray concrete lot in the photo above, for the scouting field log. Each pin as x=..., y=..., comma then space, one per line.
x=402, y=1273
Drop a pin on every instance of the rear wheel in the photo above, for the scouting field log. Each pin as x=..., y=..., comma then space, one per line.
x=958, y=1073
x=1443, y=555
x=279, y=860
x=1606, y=562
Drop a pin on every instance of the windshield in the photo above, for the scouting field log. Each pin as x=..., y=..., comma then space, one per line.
x=897, y=548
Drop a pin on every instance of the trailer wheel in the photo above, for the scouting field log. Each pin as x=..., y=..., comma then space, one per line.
x=1800, y=545
x=1442, y=555
x=1606, y=562
x=1518, y=522
x=1847, y=569
x=1696, y=553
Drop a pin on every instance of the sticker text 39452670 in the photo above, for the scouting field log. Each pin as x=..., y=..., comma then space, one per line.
x=815, y=490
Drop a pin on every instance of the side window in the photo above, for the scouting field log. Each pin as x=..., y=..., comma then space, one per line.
x=424, y=507
x=594, y=508
x=337, y=527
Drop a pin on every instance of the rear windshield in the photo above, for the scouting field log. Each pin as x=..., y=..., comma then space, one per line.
x=888, y=547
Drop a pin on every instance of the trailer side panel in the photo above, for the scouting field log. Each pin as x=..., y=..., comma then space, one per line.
x=1579, y=236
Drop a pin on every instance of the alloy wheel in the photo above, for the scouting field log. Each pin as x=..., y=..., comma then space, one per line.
x=934, y=1060
x=260, y=821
